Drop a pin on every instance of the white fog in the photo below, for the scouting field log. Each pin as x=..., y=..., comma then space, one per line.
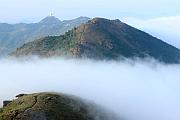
x=141, y=90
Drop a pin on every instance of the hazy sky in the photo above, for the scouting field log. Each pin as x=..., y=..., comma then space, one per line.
x=34, y=10
x=165, y=28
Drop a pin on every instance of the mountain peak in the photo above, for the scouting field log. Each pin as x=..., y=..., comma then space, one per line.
x=101, y=38
x=50, y=20
x=100, y=19
x=83, y=17
x=103, y=20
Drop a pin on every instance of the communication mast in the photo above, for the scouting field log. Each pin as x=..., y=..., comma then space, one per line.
x=51, y=14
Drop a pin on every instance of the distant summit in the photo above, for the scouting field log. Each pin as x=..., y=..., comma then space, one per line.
x=50, y=20
x=15, y=35
x=102, y=39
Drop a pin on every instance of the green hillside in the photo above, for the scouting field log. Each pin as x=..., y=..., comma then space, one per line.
x=102, y=39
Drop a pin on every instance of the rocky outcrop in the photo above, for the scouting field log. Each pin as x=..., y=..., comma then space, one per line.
x=6, y=102
x=20, y=95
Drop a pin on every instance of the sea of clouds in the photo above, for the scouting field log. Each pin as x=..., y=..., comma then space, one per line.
x=135, y=90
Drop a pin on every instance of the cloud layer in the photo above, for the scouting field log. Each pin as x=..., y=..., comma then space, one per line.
x=141, y=90
x=165, y=28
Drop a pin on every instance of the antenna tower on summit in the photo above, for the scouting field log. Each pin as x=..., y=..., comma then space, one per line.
x=51, y=14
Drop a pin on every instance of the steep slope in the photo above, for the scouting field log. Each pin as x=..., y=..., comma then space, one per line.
x=102, y=39
x=51, y=106
x=14, y=36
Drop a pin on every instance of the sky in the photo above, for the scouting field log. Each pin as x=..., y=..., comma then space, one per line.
x=33, y=10
x=164, y=28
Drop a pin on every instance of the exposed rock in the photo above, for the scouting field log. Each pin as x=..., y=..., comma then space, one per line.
x=20, y=95
x=5, y=103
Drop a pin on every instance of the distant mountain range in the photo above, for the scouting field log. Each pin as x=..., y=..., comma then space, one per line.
x=13, y=36
x=102, y=39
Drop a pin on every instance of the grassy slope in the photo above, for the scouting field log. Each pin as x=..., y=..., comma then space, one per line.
x=51, y=106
